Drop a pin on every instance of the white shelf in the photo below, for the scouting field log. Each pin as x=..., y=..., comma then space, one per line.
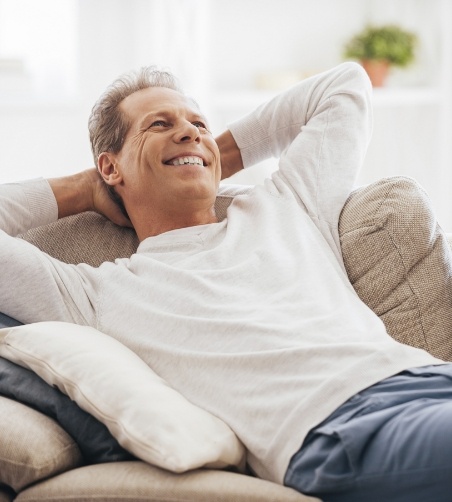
x=400, y=96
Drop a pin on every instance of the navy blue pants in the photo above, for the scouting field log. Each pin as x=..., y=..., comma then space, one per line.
x=392, y=442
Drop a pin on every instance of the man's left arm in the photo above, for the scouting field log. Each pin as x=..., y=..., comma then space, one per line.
x=320, y=130
x=231, y=158
x=34, y=286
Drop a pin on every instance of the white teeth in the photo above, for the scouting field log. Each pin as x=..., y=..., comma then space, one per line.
x=187, y=160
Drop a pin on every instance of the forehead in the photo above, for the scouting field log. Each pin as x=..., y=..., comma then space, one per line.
x=155, y=100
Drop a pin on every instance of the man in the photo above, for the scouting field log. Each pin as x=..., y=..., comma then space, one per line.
x=257, y=311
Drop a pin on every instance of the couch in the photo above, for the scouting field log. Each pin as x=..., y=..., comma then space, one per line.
x=399, y=261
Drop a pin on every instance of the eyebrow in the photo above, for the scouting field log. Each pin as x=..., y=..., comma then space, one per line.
x=166, y=113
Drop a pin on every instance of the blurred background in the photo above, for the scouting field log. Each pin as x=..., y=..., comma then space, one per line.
x=57, y=56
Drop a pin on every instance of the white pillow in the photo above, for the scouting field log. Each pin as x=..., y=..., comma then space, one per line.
x=105, y=378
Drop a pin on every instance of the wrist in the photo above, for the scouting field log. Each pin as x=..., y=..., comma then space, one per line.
x=231, y=158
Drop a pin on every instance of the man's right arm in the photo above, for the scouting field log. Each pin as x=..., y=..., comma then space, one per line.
x=35, y=287
x=37, y=202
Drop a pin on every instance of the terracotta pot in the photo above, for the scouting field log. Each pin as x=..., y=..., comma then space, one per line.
x=377, y=69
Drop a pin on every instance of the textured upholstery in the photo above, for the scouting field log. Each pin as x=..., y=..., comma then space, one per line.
x=127, y=481
x=84, y=238
x=399, y=262
x=32, y=446
x=397, y=257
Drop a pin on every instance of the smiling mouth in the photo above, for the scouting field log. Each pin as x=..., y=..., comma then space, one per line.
x=188, y=160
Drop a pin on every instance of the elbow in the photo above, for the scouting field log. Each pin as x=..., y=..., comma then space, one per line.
x=356, y=72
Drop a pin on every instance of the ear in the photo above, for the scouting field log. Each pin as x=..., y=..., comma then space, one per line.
x=108, y=168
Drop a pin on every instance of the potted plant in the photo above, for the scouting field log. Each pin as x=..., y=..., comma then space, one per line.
x=380, y=47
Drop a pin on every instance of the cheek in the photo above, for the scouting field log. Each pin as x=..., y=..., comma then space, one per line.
x=213, y=147
x=138, y=155
x=137, y=144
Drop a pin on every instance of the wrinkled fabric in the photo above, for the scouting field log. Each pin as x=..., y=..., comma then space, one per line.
x=392, y=441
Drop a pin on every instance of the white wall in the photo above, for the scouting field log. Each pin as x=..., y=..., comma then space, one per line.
x=219, y=47
x=412, y=115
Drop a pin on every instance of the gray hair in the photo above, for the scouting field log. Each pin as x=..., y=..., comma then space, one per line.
x=108, y=126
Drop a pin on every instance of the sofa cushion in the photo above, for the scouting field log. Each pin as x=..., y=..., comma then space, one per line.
x=135, y=481
x=108, y=380
x=32, y=446
x=84, y=238
x=399, y=262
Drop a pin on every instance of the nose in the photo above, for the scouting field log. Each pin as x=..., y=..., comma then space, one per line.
x=186, y=133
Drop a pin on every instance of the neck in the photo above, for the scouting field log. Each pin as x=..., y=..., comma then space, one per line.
x=155, y=223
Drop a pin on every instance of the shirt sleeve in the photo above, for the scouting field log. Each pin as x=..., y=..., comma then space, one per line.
x=26, y=205
x=320, y=130
x=34, y=286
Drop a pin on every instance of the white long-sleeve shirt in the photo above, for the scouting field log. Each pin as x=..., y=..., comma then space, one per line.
x=253, y=318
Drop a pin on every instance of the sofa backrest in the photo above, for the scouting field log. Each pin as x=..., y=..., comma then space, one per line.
x=91, y=238
x=399, y=261
x=396, y=255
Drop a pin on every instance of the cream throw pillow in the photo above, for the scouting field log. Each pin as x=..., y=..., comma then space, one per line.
x=105, y=378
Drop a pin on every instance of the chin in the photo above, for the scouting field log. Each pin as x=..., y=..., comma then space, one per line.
x=200, y=191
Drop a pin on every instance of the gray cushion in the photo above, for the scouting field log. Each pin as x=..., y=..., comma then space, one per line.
x=6, y=321
x=94, y=440
x=399, y=262
x=32, y=446
x=6, y=494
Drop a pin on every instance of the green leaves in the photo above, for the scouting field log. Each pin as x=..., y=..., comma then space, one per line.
x=389, y=43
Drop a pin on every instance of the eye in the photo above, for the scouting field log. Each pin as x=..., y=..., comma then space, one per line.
x=200, y=125
x=158, y=123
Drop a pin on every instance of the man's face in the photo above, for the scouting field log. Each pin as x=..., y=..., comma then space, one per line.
x=169, y=154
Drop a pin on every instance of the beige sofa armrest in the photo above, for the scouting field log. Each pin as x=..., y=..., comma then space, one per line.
x=126, y=481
